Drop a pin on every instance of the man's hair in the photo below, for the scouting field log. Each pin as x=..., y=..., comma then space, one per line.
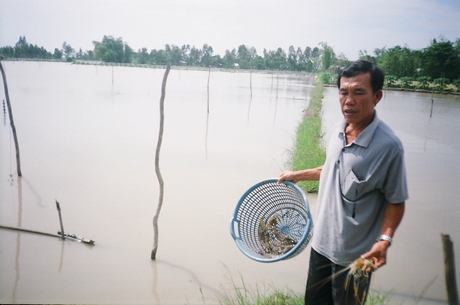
x=362, y=67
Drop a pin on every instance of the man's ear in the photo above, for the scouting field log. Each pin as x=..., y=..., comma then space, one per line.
x=377, y=97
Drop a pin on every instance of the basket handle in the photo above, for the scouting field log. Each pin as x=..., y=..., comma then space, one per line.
x=234, y=224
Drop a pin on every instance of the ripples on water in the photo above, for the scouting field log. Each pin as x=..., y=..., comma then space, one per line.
x=90, y=144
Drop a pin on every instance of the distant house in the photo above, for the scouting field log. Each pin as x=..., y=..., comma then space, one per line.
x=236, y=65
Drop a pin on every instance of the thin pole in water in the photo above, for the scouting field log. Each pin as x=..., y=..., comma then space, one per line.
x=449, y=269
x=209, y=76
x=60, y=219
x=13, y=127
x=432, y=102
x=153, y=254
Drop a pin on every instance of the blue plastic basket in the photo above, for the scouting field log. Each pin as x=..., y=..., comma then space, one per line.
x=272, y=221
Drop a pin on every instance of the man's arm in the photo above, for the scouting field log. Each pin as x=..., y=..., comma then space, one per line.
x=296, y=176
x=394, y=213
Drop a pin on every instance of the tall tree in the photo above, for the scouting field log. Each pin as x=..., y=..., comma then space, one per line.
x=112, y=50
x=206, y=55
x=244, y=57
x=68, y=51
x=441, y=59
x=327, y=55
x=292, y=60
x=142, y=56
x=21, y=48
x=57, y=54
x=195, y=56
x=229, y=59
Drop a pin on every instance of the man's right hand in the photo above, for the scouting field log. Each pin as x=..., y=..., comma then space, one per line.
x=288, y=175
x=296, y=176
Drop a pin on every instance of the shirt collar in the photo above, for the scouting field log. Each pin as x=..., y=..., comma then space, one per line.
x=365, y=137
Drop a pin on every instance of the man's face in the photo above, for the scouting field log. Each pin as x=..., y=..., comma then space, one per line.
x=357, y=99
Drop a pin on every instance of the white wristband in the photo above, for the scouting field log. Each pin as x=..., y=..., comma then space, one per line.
x=386, y=238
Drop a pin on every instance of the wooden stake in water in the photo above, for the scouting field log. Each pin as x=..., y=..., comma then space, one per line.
x=432, y=102
x=449, y=269
x=209, y=76
x=153, y=254
x=13, y=128
x=60, y=219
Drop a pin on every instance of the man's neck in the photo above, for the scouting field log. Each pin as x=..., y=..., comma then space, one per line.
x=352, y=131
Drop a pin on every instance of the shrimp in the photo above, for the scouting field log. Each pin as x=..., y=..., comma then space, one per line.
x=271, y=240
x=263, y=235
x=359, y=270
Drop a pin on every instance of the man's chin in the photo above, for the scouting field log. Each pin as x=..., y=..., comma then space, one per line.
x=349, y=117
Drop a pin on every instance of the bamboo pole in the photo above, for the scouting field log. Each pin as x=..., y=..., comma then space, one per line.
x=60, y=219
x=10, y=113
x=250, y=81
x=432, y=102
x=209, y=76
x=449, y=270
x=157, y=165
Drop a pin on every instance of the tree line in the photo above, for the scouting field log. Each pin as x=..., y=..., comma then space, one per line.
x=441, y=59
x=114, y=50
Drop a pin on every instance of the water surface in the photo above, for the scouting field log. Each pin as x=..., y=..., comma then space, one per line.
x=88, y=135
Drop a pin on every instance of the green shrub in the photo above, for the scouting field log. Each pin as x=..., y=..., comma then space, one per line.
x=324, y=78
x=456, y=83
x=391, y=81
x=406, y=82
x=424, y=82
x=440, y=84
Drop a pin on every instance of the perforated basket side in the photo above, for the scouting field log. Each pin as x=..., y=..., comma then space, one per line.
x=263, y=200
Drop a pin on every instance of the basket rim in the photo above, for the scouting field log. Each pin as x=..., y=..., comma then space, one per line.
x=238, y=240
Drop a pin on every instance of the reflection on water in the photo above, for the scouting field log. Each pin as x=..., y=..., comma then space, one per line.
x=18, y=240
x=87, y=136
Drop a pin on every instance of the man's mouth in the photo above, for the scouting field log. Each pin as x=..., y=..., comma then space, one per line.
x=349, y=111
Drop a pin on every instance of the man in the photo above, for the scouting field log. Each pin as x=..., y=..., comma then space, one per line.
x=362, y=190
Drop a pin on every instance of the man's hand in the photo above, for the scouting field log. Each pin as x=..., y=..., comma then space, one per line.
x=296, y=176
x=287, y=175
x=378, y=253
x=391, y=219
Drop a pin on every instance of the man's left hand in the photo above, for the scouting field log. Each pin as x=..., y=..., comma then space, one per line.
x=378, y=253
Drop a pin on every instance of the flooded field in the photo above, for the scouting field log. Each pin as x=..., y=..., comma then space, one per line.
x=87, y=137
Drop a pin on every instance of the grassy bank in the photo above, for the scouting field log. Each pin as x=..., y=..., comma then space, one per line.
x=242, y=295
x=308, y=151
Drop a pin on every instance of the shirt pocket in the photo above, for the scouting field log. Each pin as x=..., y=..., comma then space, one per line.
x=352, y=186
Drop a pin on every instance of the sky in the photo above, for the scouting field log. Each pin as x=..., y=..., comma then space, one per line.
x=348, y=26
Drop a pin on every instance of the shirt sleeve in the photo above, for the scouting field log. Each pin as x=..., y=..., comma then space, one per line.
x=395, y=188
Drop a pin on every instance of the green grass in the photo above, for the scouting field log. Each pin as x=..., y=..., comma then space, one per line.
x=241, y=295
x=308, y=151
x=377, y=298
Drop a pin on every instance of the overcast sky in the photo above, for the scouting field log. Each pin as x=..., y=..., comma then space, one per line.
x=346, y=25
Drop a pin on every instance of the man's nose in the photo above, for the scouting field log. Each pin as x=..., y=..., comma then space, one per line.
x=350, y=99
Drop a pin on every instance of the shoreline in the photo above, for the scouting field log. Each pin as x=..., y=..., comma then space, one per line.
x=230, y=70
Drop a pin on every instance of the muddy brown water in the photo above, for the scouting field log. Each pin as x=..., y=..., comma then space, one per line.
x=87, y=138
